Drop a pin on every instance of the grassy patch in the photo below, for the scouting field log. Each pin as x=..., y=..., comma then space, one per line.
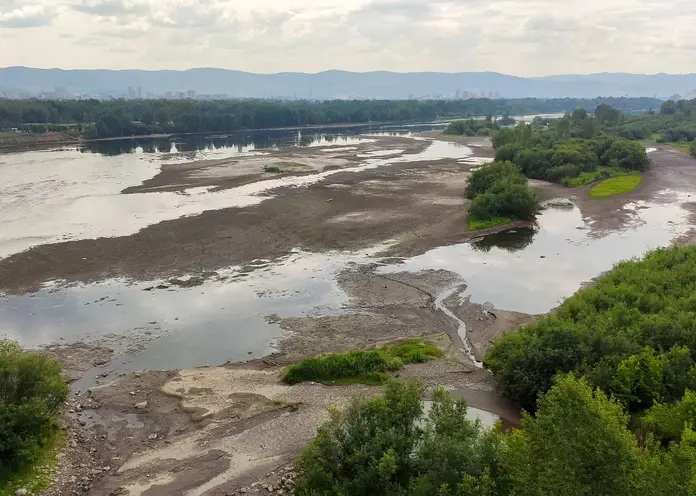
x=272, y=168
x=366, y=367
x=476, y=224
x=681, y=145
x=616, y=186
x=38, y=478
x=589, y=177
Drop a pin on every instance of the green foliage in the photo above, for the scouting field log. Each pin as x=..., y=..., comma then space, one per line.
x=483, y=179
x=271, y=168
x=31, y=394
x=667, y=421
x=471, y=127
x=589, y=177
x=553, y=154
x=103, y=119
x=476, y=225
x=499, y=191
x=576, y=445
x=616, y=186
x=36, y=478
x=385, y=446
x=602, y=332
x=367, y=366
x=692, y=147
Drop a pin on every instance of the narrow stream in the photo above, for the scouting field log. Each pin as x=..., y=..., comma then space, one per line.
x=461, y=326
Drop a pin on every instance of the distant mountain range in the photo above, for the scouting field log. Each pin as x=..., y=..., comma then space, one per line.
x=16, y=81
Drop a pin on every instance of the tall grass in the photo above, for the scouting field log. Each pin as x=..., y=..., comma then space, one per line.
x=367, y=366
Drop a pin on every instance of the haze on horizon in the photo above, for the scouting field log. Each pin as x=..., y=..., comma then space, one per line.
x=524, y=38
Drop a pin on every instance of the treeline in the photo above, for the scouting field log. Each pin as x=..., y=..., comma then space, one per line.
x=574, y=150
x=675, y=122
x=578, y=444
x=478, y=127
x=100, y=119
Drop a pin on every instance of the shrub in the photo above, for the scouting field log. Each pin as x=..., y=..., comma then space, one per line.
x=500, y=191
x=368, y=366
x=692, y=147
x=603, y=333
x=385, y=446
x=31, y=394
x=481, y=180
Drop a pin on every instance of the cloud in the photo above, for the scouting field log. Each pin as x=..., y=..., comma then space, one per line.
x=26, y=16
x=524, y=37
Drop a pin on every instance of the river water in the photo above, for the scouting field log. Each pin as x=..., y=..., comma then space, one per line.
x=75, y=194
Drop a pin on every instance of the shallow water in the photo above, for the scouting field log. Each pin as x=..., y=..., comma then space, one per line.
x=529, y=270
x=533, y=269
x=48, y=197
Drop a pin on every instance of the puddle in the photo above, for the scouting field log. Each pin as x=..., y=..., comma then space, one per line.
x=532, y=269
x=49, y=197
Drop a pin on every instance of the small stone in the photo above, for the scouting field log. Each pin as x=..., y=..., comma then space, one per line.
x=106, y=469
x=152, y=436
x=72, y=410
x=132, y=393
x=21, y=492
x=141, y=405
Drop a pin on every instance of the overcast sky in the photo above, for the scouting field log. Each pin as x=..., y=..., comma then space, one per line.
x=522, y=37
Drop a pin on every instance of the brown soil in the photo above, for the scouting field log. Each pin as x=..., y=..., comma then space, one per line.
x=420, y=205
x=20, y=142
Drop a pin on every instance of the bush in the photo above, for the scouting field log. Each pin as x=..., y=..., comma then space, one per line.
x=633, y=334
x=483, y=179
x=368, y=366
x=692, y=147
x=31, y=394
x=499, y=191
x=386, y=446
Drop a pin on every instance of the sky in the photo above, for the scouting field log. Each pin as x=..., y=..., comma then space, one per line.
x=523, y=37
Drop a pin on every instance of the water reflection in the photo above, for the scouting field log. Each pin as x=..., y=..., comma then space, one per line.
x=532, y=271
x=510, y=241
x=246, y=141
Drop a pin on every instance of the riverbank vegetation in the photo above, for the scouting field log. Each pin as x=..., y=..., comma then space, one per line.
x=114, y=118
x=366, y=366
x=632, y=335
x=692, y=147
x=569, y=151
x=499, y=193
x=616, y=186
x=478, y=127
x=577, y=444
x=32, y=392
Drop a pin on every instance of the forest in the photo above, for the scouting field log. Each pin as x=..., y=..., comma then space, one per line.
x=114, y=118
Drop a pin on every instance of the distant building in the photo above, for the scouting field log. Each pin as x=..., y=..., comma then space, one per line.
x=191, y=94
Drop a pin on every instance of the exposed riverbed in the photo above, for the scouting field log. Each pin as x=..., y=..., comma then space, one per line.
x=166, y=258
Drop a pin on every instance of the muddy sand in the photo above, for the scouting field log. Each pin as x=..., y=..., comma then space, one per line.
x=236, y=428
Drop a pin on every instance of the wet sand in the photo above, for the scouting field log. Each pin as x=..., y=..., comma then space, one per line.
x=217, y=430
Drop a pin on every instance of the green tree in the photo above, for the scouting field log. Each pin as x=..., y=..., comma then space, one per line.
x=31, y=394
x=387, y=446
x=576, y=445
